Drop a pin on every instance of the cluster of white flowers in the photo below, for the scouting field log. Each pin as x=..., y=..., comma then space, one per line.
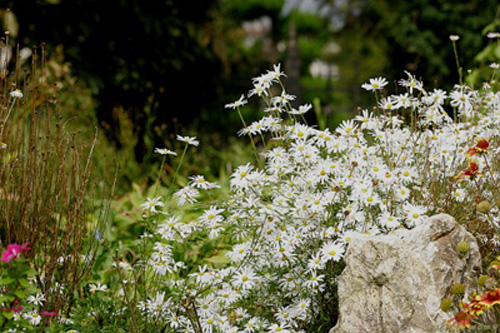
x=291, y=221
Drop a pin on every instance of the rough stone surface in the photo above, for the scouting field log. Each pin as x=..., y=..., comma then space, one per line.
x=395, y=283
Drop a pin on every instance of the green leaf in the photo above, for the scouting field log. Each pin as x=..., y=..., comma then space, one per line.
x=497, y=51
x=33, y=290
x=491, y=27
x=24, y=282
x=20, y=294
x=6, y=298
x=8, y=314
x=109, y=274
x=221, y=259
x=6, y=281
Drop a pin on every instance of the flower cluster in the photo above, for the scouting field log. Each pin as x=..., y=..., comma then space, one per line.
x=290, y=221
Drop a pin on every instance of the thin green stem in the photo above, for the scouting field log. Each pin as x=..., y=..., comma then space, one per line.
x=180, y=163
x=250, y=136
x=159, y=176
x=458, y=63
x=263, y=140
x=127, y=299
x=7, y=117
x=493, y=75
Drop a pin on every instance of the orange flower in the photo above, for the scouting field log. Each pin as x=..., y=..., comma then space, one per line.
x=480, y=148
x=461, y=320
x=491, y=297
x=471, y=172
x=475, y=307
x=472, y=152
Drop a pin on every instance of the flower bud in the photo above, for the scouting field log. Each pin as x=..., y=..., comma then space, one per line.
x=484, y=206
x=494, y=268
x=482, y=280
x=494, y=263
x=457, y=288
x=446, y=304
x=463, y=247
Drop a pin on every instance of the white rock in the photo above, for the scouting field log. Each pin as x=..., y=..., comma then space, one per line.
x=395, y=283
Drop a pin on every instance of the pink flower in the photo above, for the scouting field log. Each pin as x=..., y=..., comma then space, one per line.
x=13, y=250
x=14, y=308
x=49, y=313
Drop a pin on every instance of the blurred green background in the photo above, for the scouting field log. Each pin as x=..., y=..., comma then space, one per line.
x=145, y=71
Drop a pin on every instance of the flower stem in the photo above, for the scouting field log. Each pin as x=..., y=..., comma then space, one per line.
x=159, y=176
x=458, y=63
x=180, y=163
x=251, y=138
x=7, y=117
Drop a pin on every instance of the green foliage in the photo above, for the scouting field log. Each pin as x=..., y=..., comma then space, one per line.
x=250, y=9
x=15, y=286
x=416, y=30
x=489, y=54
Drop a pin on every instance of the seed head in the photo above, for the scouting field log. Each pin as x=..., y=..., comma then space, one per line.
x=484, y=206
x=457, y=288
x=446, y=304
x=463, y=247
x=482, y=280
